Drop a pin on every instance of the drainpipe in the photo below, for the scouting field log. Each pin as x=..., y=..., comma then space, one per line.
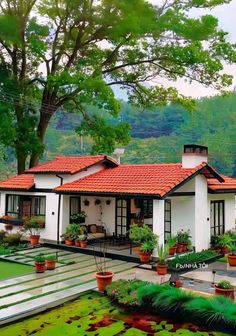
x=59, y=211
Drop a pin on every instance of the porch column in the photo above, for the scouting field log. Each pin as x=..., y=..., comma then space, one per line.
x=201, y=230
x=159, y=221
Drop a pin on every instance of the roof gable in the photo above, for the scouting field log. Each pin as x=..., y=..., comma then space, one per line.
x=71, y=164
x=143, y=179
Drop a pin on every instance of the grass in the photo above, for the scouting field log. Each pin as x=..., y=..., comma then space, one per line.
x=223, y=259
x=11, y=269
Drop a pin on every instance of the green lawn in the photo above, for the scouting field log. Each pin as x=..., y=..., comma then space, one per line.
x=11, y=269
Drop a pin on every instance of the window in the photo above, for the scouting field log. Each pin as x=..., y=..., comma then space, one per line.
x=13, y=205
x=20, y=206
x=167, y=232
x=38, y=207
x=75, y=205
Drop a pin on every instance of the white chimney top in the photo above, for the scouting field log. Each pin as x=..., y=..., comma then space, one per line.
x=194, y=155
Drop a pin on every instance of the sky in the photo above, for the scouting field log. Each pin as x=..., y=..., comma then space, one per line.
x=226, y=15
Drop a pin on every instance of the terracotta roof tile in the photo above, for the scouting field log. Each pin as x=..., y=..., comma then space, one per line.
x=228, y=184
x=69, y=164
x=148, y=179
x=23, y=181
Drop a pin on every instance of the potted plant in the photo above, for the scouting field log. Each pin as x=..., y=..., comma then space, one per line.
x=83, y=240
x=97, y=201
x=78, y=218
x=224, y=242
x=232, y=255
x=39, y=262
x=8, y=224
x=140, y=235
x=162, y=266
x=225, y=288
x=74, y=230
x=146, y=250
x=215, y=243
x=103, y=276
x=171, y=242
x=34, y=225
x=50, y=262
x=86, y=202
x=183, y=239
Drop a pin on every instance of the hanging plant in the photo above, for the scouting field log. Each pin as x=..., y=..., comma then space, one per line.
x=108, y=202
x=86, y=202
x=97, y=201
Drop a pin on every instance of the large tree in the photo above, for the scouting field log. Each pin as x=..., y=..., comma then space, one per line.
x=71, y=53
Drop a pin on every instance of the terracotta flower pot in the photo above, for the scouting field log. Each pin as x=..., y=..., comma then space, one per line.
x=172, y=250
x=8, y=227
x=232, y=259
x=39, y=266
x=77, y=243
x=179, y=248
x=50, y=264
x=83, y=243
x=184, y=247
x=225, y=250
x=162, y=269
x=34, y=239
x=136, y=249
x=103, y=279
x=228, y=292
x=69, y=242
x=144, y=257
x=178, y=283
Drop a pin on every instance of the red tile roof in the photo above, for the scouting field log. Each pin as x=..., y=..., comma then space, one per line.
x=228, y=184
x=148, y=179
x=70, y=164
x=19, y=182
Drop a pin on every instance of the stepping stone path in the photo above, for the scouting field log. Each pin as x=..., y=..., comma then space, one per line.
x=28, y=294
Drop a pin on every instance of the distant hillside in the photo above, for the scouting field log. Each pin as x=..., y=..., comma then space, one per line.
x=157, y=134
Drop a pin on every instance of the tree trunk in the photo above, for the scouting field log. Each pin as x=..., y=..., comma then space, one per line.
x=21, y=159
x=45, y=117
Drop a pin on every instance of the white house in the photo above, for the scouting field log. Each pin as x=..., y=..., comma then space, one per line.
x=168, y=197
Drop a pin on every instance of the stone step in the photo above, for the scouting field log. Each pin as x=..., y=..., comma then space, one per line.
x=43, y=281
x=24, y=309
x=61, y=284
x=33, y=276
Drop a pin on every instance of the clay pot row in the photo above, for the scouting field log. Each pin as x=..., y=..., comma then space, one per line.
x=42, y=266
x=77, y=243
x=178, y=248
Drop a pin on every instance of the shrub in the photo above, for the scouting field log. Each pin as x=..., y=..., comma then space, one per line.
x=142, y=234
x=162, y=252
x=183, y=236
x=13, y=239
x=147, y=294
x=224, y=284
x=125, y=291
x=2, y=235
x=191, y=258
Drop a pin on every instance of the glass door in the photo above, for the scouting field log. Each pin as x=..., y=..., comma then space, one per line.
x=122, y=216
x=217, y=217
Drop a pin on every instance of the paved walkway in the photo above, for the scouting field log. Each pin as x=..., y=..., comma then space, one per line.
x=36, y=292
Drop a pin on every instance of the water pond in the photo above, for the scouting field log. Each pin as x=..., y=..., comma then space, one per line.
x=94, y=315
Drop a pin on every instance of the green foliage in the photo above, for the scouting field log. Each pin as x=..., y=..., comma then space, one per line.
x=183, y=236
x=81, y=71
x=78, y=218
x=39, y=258
x=50, y=257
x=191, y=258
x=162, y=252
x=82, y=237
x=171, y=241
x=34, y=225
x=13, y=239
x=224, y=284
x=225, y=240
x=215, y=242
x=2, y=235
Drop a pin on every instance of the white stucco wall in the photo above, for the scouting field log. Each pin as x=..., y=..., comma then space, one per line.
x=158, y=221
x=47, y=181
x=103, y=214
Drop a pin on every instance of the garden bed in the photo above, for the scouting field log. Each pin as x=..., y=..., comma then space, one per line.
x=217, y=313
x=193, y=261
x=94, y=314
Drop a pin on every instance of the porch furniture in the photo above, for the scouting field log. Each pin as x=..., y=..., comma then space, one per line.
x=95, y=231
